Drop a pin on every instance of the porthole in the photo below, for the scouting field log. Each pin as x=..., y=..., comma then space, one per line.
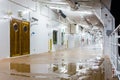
x=15, y=26
x=25, y=29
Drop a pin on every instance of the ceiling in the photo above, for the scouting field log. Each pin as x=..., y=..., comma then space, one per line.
x=82, y=12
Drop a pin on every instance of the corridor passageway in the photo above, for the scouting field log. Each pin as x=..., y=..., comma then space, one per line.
x=55, y=65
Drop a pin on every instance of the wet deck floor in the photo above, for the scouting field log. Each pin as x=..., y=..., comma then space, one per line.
x=50, y=66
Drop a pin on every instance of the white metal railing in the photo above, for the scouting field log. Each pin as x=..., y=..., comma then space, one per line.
x=115, y=58
x=116, y=29
x=117, y=37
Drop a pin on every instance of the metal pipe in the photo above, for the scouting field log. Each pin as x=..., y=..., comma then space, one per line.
x=24, y=6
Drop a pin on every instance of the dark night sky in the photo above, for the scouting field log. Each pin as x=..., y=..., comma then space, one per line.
x=115, y=10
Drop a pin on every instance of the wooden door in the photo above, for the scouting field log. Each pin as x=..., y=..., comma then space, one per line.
x=19, y=37
x=15, y=38
x=25, y=38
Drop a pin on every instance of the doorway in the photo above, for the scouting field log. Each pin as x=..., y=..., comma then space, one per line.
x=19, y=37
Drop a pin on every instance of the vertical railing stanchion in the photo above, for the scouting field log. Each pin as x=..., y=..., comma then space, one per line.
x=114, y=55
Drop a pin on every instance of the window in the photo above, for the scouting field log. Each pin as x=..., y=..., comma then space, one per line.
x=54, y=37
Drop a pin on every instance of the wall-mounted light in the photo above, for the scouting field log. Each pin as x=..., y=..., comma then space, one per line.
x=9, y=13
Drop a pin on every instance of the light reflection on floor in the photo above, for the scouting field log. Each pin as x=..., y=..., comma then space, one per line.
x=47, y=66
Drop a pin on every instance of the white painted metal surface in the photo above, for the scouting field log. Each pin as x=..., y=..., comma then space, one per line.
x=115, y=58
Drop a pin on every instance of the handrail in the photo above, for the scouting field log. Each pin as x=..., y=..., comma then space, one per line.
x=115, y=59
x=115, y=29
x=118, y=44
x=117, y=37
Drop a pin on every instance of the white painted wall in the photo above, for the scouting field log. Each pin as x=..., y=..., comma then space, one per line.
x=39, y=40
x=59, y=27
x=4, y=38
x=4, y=27
x=71, y=41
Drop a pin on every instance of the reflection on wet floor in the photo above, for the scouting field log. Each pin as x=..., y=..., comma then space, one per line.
x=74, y=64
x=61, y=71
x=23, y=68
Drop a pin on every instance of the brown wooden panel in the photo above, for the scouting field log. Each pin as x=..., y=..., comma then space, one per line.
x=15, y=43
x=19, y=37
x=24, y=68
x=25, y=38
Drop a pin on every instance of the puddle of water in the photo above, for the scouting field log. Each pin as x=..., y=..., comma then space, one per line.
x=60, y=71
x=23, y=68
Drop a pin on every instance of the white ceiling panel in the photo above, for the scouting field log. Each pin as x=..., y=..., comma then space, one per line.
x=84, y=15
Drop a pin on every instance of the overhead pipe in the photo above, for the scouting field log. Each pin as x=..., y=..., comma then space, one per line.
x=25, y=6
